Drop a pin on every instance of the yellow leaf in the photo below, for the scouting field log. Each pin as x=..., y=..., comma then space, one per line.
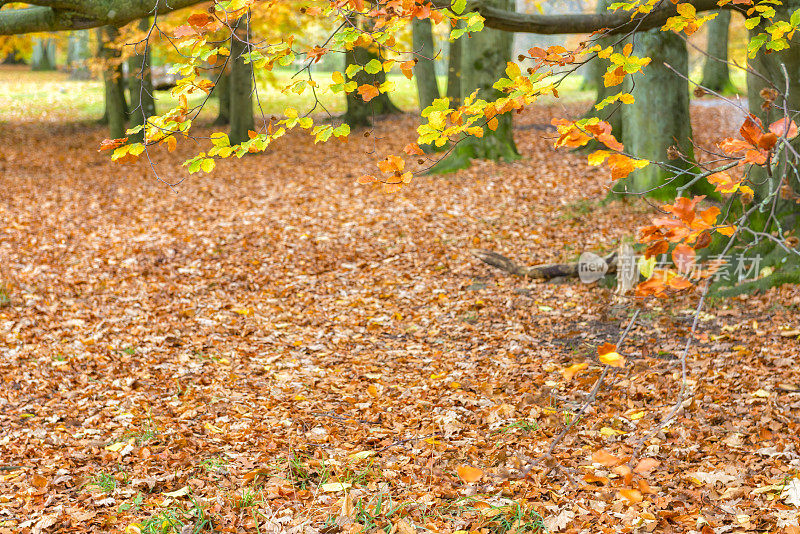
x=598, y=157
x=572, y=370
x=512, y=70
x=373, y=391
x=614, y=359
x=116, y=447
x=469, y=474
x=213, y=429
x=335, y=486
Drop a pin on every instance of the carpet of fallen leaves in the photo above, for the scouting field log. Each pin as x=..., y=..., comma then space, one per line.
x=273, y=348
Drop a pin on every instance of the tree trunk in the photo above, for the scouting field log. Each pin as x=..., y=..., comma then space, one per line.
x=716, y=75
x=425, y=70
x=241, y=84
x=140, y=85
x=485, y=55
x=116, y=107
x=613, y=112
x=659, y=118
x=454, y=70
x=222, y=90
x=771, y=192
x=360, y=113
x=44, y=54
x=77, y=54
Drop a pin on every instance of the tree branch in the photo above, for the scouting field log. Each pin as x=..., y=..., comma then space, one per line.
x=618, y=22
x=64, y=15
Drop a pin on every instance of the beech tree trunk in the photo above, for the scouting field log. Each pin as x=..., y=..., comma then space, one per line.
x=222, y=90
x=116, y=107
x=454, y=70
x=241, y=85
x=77, y=54
x=425, y=69
x=716, y=75
x=360, y=113
x=612, y=114
x=140, y=85
x=485, y=55
x=659, y=118
x=44, y=54
x=784, y=265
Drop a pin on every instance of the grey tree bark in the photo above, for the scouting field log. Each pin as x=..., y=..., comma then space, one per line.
x=77, y=55
x=783, y=70
x=485, y=55
x=44, y=54
x=716, y=75
x=222, y=90
x=140, y=85
x=424, y=70
x=454, y=70
x=241, y=85
x=611, y=113
x=659, y=118
x=116, y=107
x=360, y=113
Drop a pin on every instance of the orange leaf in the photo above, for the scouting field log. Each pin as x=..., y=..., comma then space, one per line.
x=391, y=164
x=727, y=230
x=198, y=20
x=756, y=157
x=646, y=465
x=366, y=179
x=631, y=495
x=572, y=370
x=684, y=257
x=731, y=145
x=784, y=127
x=413, y=149
x=108, y=144
x=407, y=68
x=368, y=92
x=605, y=348
x=605, y=458
x=751, y=130
x=469, y=474
x=493, y=123
x=767, y=141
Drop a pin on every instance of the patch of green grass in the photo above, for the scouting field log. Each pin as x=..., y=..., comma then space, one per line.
x=173, y=520
x=578, y=209
x=214, y=465
x=502, y=518
x=521, y=425
x=5, y=295
x=305, y=475
x=133, y=505
x=107, y=483
x=147, y=432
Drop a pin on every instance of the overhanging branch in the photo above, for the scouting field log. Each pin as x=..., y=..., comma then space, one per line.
x=618, y=22
x=66, y=15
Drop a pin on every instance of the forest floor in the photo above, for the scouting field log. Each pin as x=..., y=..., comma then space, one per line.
x=272, y=348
